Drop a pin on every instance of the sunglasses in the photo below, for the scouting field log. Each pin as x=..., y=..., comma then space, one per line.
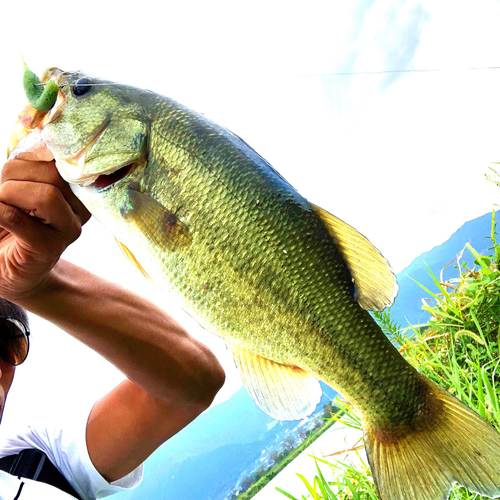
x=14, y=341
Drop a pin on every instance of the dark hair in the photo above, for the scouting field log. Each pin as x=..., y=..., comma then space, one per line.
x=10, y=310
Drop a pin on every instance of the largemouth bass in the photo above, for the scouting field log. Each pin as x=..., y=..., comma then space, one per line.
x=285, y=283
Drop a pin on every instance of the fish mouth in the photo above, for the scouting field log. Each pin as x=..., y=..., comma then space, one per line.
x=105, y=181
x=28, y=142
x=32, y=147
x=69, y=166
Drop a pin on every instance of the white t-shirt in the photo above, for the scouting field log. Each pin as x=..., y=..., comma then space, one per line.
x=62, y=438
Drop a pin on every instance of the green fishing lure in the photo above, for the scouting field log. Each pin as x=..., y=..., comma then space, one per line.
x=40, y=97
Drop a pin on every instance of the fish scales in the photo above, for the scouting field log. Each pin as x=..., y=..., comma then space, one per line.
x=277, y=241
x=284, y=282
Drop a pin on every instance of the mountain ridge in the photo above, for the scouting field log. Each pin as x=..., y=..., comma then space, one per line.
x=407, y=306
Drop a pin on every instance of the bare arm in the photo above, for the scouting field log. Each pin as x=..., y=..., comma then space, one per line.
x=138, y=337
x=172, y=378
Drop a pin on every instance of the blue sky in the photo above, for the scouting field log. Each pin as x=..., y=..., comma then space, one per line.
x=399, y=156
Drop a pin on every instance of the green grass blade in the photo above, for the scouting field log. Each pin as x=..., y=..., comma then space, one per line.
x=492, y=395
x=479, y=259
x=354, y=490
x=325, y=488
x=311, y=489
x=291, y=497
x=480, y=393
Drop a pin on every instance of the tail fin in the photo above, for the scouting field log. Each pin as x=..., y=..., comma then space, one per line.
x=454, y=446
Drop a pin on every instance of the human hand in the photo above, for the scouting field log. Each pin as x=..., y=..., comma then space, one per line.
x=39, y=217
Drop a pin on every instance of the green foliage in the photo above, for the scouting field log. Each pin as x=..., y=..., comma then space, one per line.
x=494, y=177
x=351, y=482
x=458, y=348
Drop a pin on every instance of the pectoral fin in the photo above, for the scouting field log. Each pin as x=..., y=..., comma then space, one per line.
x=283, y=392
x=160, y=226
x=374, y=279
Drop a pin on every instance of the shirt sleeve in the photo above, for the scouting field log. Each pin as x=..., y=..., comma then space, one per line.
x=63, y=438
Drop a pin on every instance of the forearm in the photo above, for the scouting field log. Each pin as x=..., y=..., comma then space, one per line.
x=139, y=338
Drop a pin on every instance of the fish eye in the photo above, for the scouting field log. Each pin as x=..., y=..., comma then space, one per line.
x=82, y=86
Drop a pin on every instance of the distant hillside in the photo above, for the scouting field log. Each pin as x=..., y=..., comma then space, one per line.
x=206, y=477
x=211, y=455
x=408, y=304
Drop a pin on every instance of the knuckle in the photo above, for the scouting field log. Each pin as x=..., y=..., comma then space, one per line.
x=54, y=174
x=69, y=231
x=12, y=216
x=5, y=187
x=75, y=230
x=11, y=170
x=48, y=190
x=51, y=174
x=85, y=215
x=48, y=195
x=6, y=172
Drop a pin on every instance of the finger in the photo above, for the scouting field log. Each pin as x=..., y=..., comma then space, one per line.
x=44, y=172
x=36, y=171
x=28, y=229
x=43, y=201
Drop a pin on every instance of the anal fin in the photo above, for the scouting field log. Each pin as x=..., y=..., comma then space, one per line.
x=283, y=392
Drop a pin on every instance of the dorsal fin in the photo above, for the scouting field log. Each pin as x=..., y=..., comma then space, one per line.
x=283, y=392
x=374, y=279
x=130, y=256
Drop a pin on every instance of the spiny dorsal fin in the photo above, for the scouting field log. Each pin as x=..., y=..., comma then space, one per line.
x=130, y=256
x=374, y=279
x=283, y=392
